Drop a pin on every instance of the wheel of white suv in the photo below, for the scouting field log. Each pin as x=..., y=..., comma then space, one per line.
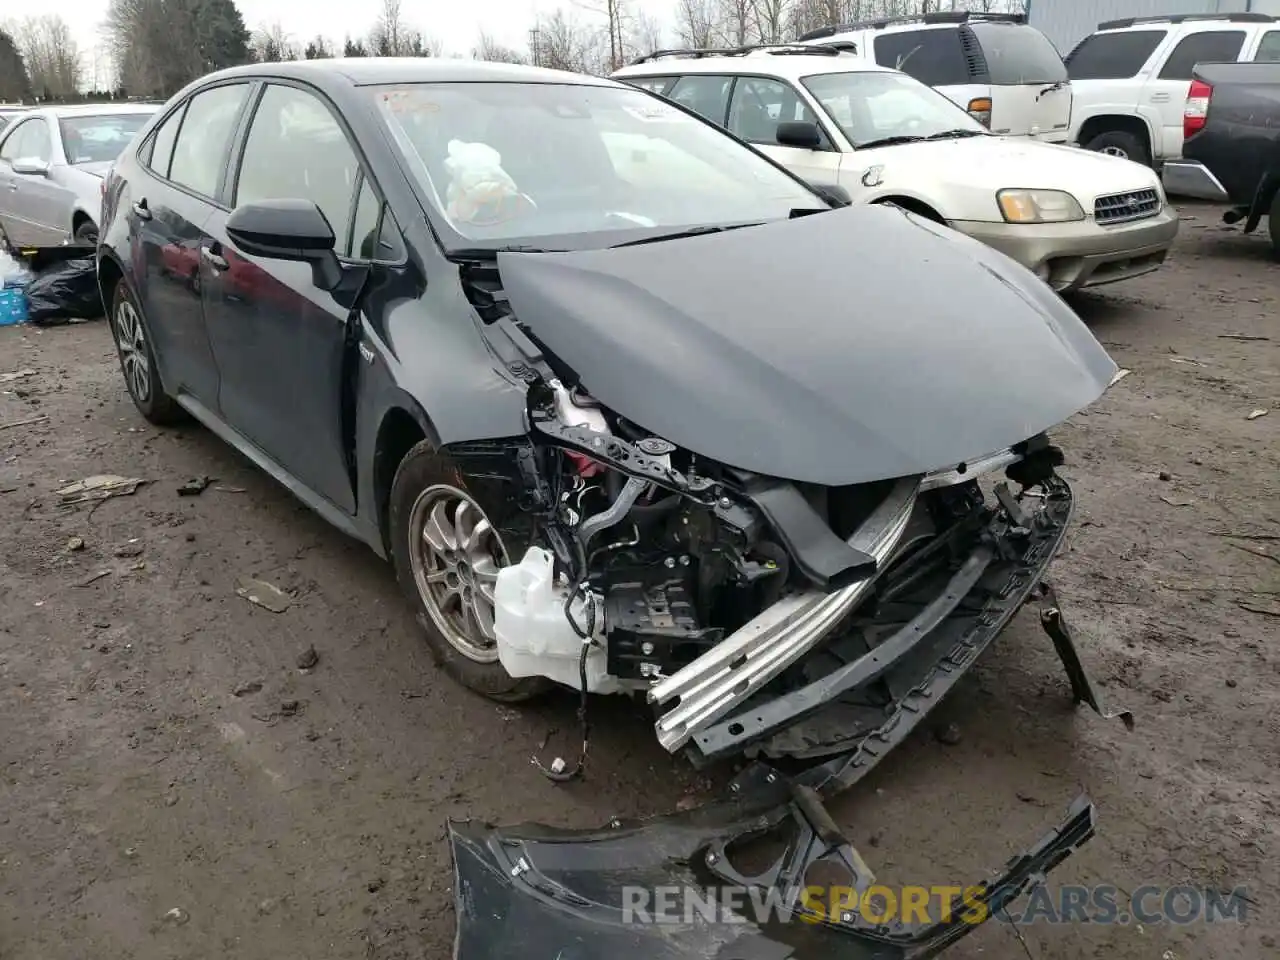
x=1118, y=143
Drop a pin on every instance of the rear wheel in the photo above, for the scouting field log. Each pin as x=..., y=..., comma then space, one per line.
x=1119, y=143
x=448, y=549
x=138, y=362
x=1273, y=224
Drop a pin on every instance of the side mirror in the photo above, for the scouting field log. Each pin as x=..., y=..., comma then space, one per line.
x=833, y=193
x=31, y=167
x=288, y=230
x=799, y=133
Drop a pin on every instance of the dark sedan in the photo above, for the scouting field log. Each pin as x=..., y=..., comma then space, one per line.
x=631, y=408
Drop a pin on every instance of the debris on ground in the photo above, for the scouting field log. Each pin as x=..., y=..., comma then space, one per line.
x=195, y=486
x=1120, y=375
x=23, y=423
x=265, y=595
x=94, y=578
x=75, y=544
x=99, y=487
x=229, y=489
x=308, y=658
x=949, y=735
x=132, y=548
x=247, y=689
x=64, y=292
x=1177, y=501
x=177, y=916
x=16, y=375
x=1256, y=414
x=1240, y=336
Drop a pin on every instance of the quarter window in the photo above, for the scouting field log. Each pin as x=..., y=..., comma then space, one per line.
x=934, y=57
x=704, y=94
x=160, y=152
x=200, y=153
x=1113, y=56
x=657, y=85
x=297, y=150
x=759, y=105
x=373, y=232
x=1208, y=47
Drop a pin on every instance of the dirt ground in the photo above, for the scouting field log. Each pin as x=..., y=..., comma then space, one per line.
x=155, y=803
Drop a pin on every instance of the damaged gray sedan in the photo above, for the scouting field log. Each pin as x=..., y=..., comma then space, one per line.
x=631, y=408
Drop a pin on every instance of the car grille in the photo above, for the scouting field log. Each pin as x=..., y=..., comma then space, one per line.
x=1119, y=207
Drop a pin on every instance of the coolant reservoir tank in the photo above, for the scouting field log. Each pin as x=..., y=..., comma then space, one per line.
x=534, y=637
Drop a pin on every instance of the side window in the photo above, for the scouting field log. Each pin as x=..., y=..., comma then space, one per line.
x=296, y=149
x=373, y=232
x=704, y=94
x=1113, y=56
x=29, y=140
x=656, y=85
x=205, y=136
x=159, y=152
x=759, y=105
x=1206, y=47
x=934, y=57
x=1269, y=48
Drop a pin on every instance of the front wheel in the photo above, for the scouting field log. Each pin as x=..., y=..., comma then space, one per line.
x=87, y=234
x=138, y=362
x=448, y=549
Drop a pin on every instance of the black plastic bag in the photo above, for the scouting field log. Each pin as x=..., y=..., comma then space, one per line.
x=67, y=291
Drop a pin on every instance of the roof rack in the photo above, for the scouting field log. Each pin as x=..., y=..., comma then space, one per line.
x=775, y=49
x=1187, y=17
x=941, y=16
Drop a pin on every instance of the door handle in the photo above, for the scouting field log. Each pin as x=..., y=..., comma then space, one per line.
x=213, y=259
x=1159, y=98
x=140, y=210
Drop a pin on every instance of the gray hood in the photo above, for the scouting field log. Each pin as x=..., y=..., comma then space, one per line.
x=837, y=348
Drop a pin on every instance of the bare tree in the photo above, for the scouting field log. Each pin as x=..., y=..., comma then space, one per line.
x=563, y=43
x=771, y=19
x=51, y=55
x=272, y=44
x=388, y=36
x=698, y=23
x=487, y=48
x=645, y=36
x=317, y=48
x=737, y=18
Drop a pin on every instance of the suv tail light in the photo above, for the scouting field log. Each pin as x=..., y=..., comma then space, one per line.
x=980, y=109
x=1197, y=108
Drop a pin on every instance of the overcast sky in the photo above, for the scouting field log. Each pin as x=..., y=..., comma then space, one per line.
x=455, y=23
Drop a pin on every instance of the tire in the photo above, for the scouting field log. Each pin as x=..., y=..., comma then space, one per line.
x=86, y=233
x=428, y=491
x=1273, y=224
x=1118, y=143
x=138, y=363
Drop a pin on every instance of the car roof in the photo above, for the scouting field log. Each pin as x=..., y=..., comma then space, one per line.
x=371, y=71
x=104, y=109
x=790, y=66
x=1190, y=21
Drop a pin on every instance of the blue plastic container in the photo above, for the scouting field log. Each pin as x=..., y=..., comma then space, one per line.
x=13, y=306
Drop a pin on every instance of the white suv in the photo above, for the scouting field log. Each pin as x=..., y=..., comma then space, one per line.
x=1131, y=77
x=1075, y=218
x=1004, y=73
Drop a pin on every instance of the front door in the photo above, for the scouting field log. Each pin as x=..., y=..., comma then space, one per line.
x=758, y=105
x=278, y=338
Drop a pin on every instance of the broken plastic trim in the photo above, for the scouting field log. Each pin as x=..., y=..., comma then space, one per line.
x=533, y=891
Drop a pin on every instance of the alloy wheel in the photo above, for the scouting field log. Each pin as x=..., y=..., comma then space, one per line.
x=456, y=554
x=135, y=356
x=1114, y=151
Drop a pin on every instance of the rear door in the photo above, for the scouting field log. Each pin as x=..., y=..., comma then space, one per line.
x=278, y=338
x=1167, y=90
x=1030, y=91
x=758, y=104
x=186, y=159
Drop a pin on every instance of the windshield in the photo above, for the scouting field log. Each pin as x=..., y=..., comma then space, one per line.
x=570, y=166
x=872, y=105
x=99, y=138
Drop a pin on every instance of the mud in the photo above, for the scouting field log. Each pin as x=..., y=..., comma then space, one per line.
x=180, y=778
